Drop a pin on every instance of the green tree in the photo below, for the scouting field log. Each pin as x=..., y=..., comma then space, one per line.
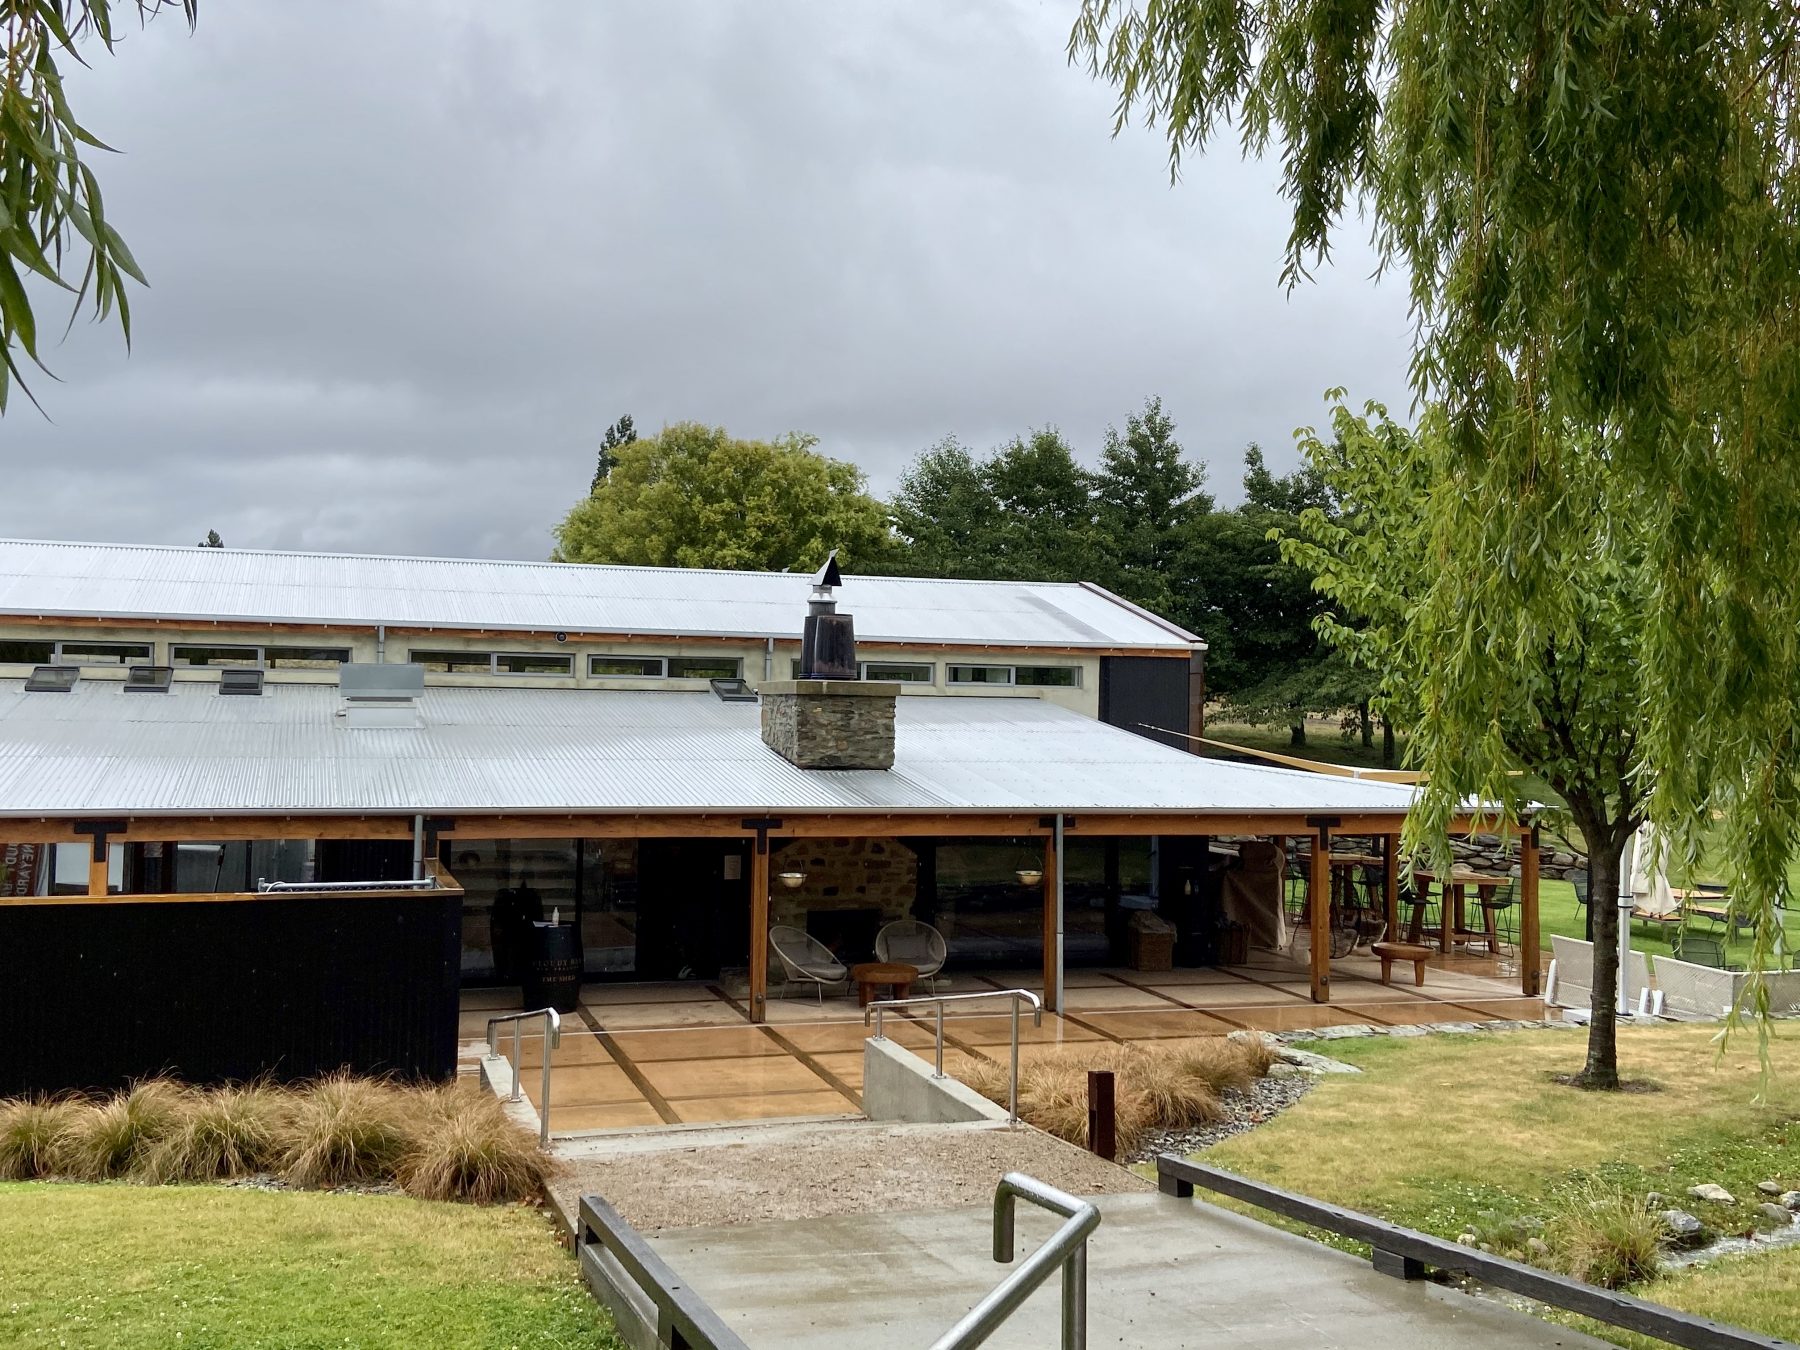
x=946, y=514
x=1563, y=679
x=1149, y=495
x=53, y=221
x=1595, y=209
x=1257, y=610
x=620, y=433
x=693, y=496
x=1027, y=512
x=212, y=540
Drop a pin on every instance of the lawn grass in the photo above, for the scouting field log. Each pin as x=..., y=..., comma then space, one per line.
x=1557, y=915
x=217, y=1268
x=1324, y=742
x=1447, y=1133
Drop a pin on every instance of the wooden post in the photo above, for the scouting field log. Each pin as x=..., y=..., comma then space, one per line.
x=1052, y=972
x=1102, y=1114
x=759, y=927
x=97, y=868
x=1390, y=885
x=1318, y=900
x=1530, y=963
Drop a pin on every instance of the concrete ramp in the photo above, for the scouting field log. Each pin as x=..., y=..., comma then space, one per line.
x=1162, y=1274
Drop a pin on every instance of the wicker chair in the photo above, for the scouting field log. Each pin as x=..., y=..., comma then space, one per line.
x=914, y=944
x=806, y=960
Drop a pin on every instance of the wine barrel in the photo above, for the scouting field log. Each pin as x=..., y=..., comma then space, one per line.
x=553, y=967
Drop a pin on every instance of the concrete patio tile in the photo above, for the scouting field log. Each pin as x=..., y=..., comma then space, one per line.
x=1158, y=1024
x=847, y=1065
x=618, y=1116
x=646, y=1047
x=1114, y=996
x=657, y=1016
x=729, y=1077
x=584, y=1085
x=679, y=991
x=771, y=1106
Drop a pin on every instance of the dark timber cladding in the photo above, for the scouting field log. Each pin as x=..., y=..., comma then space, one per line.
x=1137, y=692
x=217, y=991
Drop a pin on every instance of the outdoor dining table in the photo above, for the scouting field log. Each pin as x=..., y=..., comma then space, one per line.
x=1453, y=891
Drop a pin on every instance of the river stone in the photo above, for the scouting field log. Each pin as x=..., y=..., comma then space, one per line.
x=1711, y=1190
x=1775, y=1214
x=1769, y=1187
x=1466, y=1239
x=1684, y=1229
x=1538, y=1247
x=1791, y=1199
x=1307, y=1062
x=1655, y=1201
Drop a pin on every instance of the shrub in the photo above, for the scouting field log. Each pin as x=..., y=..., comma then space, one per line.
x=344, y=1130
x=1154, y=1088
x=114, y=1137
x=466, y=1148
x=231, y=1132
x=33, y=1136
x=1606, y=1237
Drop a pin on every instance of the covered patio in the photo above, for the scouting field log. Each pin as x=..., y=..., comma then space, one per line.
x=687, y=1053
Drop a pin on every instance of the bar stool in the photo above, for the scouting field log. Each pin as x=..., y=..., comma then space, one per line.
x=1421, y=911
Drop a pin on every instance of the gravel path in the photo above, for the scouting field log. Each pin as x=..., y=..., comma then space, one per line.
x=804, y=1172
x=1262, y=1101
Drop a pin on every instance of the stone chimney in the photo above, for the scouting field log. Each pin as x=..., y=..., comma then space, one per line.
x=828, y=718
x=830, y=724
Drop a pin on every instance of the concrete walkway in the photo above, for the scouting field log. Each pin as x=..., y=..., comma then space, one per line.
x=1163, y=1274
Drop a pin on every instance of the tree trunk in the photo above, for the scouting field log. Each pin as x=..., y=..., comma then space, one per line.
x=1602, y=1067
x=1366, y=724
x=1387, y=744
x=1297, y=733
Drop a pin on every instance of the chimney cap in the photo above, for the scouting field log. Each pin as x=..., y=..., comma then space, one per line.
x=828, y=575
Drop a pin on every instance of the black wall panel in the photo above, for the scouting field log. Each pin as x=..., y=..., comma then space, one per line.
x=94, y=995
x=1140, y=690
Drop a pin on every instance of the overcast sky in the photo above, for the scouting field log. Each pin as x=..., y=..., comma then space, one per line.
x=409, y=260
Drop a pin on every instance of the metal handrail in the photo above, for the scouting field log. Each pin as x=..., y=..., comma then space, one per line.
x=1067, y=1248
x=1037, y=1020
x=280, y=887
x=552, y=1039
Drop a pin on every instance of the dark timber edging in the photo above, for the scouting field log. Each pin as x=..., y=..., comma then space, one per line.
x=1406, y=1253
x=622, y=1270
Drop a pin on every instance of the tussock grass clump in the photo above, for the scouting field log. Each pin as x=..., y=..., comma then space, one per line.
x=344, y=1130
x=114, y=1138
x=1155, y=1088
x=219, y=1135
x=34, y=1135
x=466, y=1148
x=1605, y=1236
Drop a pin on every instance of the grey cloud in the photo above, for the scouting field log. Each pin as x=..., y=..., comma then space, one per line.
x=408, y=260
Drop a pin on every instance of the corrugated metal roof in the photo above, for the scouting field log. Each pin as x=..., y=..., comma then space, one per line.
x=123, y=581
x=97, y=751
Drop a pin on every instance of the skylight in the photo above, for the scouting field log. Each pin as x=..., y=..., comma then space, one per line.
x=148, y=679
x=239, y=681
x=733, y=691
x=52, y=679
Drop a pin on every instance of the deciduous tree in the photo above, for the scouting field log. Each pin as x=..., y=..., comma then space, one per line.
x=1561, y=681
x=693, y=496
x=1597, y=210
x=53, y=221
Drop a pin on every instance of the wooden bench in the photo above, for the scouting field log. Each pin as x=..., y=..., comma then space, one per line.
x=1390, y=952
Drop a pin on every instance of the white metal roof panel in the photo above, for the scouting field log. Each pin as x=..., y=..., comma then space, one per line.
x=98, y=751
x=130, y=581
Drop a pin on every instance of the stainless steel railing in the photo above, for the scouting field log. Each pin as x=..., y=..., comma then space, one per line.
x=880, y=1006
x=1066, y=1249
x=552, y=1039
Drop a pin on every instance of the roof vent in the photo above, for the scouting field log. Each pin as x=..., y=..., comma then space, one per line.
x=52, y=679
x=380, y=695
x=240, y=681
x=733, y=691
x=149, y=679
